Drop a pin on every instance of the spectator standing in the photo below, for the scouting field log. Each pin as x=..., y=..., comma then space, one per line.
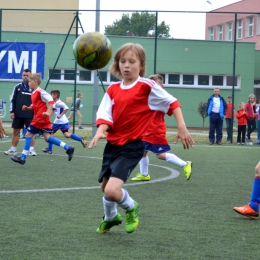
x=241, y=116
x=251, y=111
x=228, y=117
x=216, y=110
x=21, y=96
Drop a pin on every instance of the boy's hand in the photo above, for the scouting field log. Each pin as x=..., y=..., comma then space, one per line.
x=95, y=139
x=185, y=137
x=24, y=107
x=46, y=113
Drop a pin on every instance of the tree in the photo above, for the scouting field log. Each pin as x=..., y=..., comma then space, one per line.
x=202, y=110
x=139, y=24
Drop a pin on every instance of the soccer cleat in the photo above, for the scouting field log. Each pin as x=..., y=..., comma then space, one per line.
x=70, y=152
x=106, y=225
x=83, y=141
x=46, y=150
x=32, y=152
x=132, y=220
x=10, y=152
x=247, y=211
x=18, y=159
x=81, y=127
x=140, y=177
x=187, y=169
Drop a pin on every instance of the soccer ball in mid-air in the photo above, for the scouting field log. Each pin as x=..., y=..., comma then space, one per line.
x=92, y=50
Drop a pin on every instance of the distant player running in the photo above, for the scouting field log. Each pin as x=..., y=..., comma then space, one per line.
x=61, y=122
x=42, y=105
x=156, y=142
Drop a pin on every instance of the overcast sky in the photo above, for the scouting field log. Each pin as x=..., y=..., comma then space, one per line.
x=182, y=25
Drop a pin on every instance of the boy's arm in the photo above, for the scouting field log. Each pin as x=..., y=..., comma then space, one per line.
x=63, y=113
x=99, y=134
x=49, y=109
x=182, y=133
x=2, y=130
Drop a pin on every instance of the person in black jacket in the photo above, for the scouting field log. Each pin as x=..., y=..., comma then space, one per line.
x=21, y=96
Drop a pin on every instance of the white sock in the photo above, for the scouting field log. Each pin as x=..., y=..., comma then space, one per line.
x=126, y=202
x=13, y=148
x=144, y=163
x=31, y=148
x=173, y=159
x=110, y=208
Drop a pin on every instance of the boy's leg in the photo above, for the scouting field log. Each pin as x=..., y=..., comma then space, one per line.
x=81, y=139
x=55, y=141
x=111, y=216
x=144, y=170
x=21, y=159
x=252, y=209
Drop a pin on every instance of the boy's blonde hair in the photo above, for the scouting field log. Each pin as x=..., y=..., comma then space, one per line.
x=241, y=104
x=139, y=52
x=36, y=77
x=155, y=77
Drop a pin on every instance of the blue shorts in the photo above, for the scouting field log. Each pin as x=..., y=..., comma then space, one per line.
x=120, y=160
x=156, y=148
x=33, y=130
x=63, y=127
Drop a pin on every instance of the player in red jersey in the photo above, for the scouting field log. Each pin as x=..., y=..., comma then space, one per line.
x=124, y=114
x=41, y=100
x=155, y=141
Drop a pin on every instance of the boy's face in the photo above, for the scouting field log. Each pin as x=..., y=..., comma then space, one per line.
x=160, y=82
x=54, y=96
x=33, y=84
x=130, y=67
x=251, y=99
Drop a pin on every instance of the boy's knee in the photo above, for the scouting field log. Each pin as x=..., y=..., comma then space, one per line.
x=257, y=170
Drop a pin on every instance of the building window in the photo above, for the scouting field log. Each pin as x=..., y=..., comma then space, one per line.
x=102, y=76
x=249, y=26
x=174, y=79
x=203, y=80
x=163, y=76
x=230, y=81
x=69, y=74
x=258, y=25
x=56, y=74
x=239, y=29
x=84, y=75
x=229, y=31
x=217, y=80
x=220, y=32
x=188, y=79
x=113, y=78
x=211, y=34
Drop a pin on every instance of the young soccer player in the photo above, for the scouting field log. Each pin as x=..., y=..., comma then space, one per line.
x=124, y=113
x=61, y=122
x=251, y=210
x=42, y=105
x=156, y=142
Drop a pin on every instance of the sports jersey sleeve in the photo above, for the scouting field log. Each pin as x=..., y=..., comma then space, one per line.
x=46, y=97
x=104, y=113
x=161, y=100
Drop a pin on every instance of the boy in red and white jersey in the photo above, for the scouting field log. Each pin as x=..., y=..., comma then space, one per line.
x=124, y=114
x=155, y=141
x=41, y=100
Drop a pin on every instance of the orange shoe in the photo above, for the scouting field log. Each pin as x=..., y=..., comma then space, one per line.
x=247, y=211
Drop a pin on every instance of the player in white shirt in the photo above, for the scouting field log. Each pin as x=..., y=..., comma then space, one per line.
x=61, y=122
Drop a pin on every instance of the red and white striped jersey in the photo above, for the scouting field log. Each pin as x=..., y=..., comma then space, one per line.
x=128, y=110
x=40, y=99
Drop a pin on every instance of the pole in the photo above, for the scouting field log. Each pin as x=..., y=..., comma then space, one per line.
x=234, y=75
x=96, y=86
x=75, y=77
x=155, y=42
